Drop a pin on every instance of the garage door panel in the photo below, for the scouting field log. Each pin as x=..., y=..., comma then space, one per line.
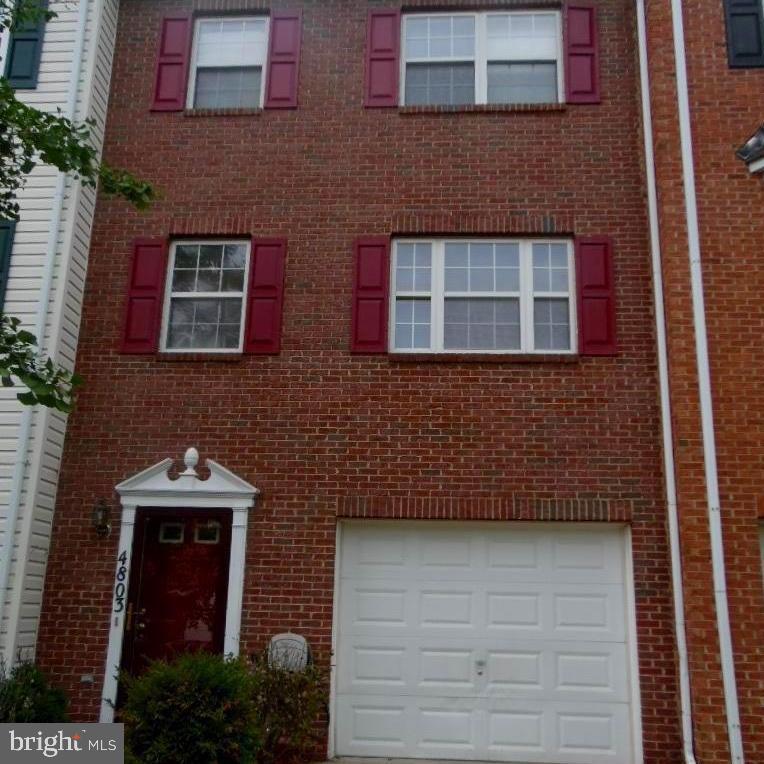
x=580, y=733
x=520, y=669
x=448, y=608
x=590, y=557
x=530, y=669
x=512, y=731
x=384, y=551
x=410, y=667
x=594, y=614
x=373, y=728
x=444, y=729
x=447, y=729
x=558, y=611
x=592, y=733
x=486, y=642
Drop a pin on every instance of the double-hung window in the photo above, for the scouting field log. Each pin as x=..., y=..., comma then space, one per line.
x=205, y=296
x=502, y=296
x=482, y=58
x=228, y=63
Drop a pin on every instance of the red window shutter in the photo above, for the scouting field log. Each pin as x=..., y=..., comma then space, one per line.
x=596, y=296
x=383, y=42
x=283, y=60
x=143, y=315
x=266, y=296
x=172, y=64
x=582, y=65
x=371, y=287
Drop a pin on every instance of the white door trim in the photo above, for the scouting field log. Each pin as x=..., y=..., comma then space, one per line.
x=153, y=488
x=335, y=631
x=631, y=630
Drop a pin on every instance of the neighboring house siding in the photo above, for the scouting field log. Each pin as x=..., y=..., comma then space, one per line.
x=43, y=455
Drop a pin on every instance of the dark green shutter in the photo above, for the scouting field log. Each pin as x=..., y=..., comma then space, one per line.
x=745, y=33
x=24, y=50
x=7, y=227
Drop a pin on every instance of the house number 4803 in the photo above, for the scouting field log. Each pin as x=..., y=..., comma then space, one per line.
x=119, y=588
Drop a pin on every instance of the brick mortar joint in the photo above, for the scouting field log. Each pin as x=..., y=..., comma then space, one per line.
x=515, y=506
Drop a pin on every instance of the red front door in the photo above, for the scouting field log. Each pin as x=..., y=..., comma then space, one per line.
x=178, y=585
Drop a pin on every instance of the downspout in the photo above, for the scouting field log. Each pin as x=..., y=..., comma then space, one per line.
x=704, y=385
x=25, y=427
x=685, y=697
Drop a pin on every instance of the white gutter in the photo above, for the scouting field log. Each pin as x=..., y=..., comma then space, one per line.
x=685, y=697
x=25, y=427
x=704, y=384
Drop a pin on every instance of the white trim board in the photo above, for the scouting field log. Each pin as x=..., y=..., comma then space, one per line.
x=154, y=489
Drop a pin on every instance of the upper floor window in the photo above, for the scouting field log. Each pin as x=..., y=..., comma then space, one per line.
x=205, y=301
x=745, y=33
x=482, y=58
x=21, y=51
x=228, y=63
x=499, y=296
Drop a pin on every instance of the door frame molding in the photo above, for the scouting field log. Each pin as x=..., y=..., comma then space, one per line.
x=153, y=488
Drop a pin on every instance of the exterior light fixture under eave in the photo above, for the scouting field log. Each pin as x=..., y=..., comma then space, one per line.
x=752, y=152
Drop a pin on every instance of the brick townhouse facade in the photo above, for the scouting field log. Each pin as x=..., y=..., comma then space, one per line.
x=398, y=292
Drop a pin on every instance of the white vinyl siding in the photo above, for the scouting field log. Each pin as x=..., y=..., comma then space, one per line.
x=482, y=58
x=42, y=458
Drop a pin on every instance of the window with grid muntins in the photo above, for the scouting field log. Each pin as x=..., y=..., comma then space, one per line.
x=482, y=296
x=206, y=296
x=228, y=62
x=482, y=58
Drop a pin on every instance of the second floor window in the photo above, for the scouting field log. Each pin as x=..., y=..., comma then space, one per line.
x=503, y=296
x=228, y=63
x=204, y=306
x=482, y=58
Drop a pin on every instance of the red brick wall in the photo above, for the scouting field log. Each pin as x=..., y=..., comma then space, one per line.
x=727, y=107
x=322, y=432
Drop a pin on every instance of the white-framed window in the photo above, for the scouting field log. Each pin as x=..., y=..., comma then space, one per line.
x=482, y=58
x=205, y=297
x=171, y=533
x=482, y=296
x=228, y=62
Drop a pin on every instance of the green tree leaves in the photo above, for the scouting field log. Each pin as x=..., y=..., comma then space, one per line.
x=47, y=383
x=29, y=137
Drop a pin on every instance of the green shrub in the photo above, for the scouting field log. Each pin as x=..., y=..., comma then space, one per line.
x=290, y=705
x=27, y=697
x=200, y=709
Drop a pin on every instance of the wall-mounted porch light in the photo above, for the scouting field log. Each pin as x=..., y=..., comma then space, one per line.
x=102, y=518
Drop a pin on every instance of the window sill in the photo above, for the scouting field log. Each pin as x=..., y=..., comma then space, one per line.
x=503, y=358
x=222, y=112
x=197, y=357
x=483, y=108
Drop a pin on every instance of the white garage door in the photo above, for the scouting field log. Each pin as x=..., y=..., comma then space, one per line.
x=483, y=641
